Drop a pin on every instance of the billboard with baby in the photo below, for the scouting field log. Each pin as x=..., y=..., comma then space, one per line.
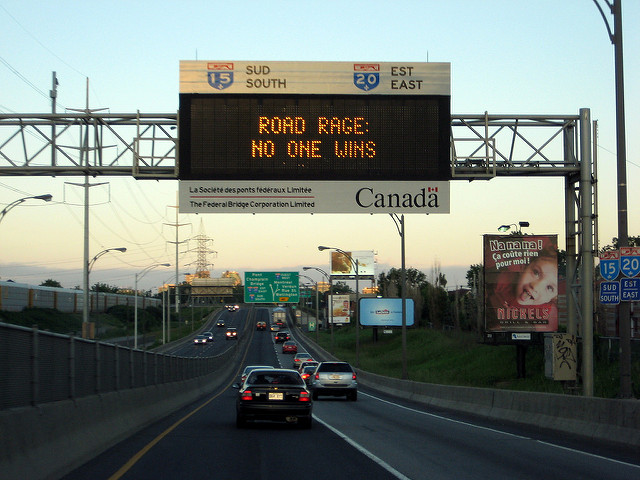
x=521, y=283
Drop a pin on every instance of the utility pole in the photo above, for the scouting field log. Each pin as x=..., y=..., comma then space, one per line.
x=177, y=243
x=84, y=160
x=53, y=93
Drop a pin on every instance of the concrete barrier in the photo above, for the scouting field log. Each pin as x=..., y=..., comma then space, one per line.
x=49, y=440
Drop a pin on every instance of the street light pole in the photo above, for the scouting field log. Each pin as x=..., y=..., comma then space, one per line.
x=329, y=303
x=519, y=226
x=135, y=301
x=317, y=307
x=5, y=210
x=90, y=263
x=624, y=312
x=399, y=221
x=355, y=264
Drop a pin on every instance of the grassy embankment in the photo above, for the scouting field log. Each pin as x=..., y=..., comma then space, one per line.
x=456, y=358
x=433, y=356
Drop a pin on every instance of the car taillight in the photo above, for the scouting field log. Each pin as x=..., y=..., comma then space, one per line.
x=246, y=395
x=317, y=376
x=353, y=376
x=304, y=397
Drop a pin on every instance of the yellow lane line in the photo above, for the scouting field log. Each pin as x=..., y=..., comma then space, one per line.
x=133, y=460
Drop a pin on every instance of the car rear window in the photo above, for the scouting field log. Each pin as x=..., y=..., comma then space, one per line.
x=276, y=378
x=335, y=367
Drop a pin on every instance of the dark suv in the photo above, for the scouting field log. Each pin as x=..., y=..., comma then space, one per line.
x=335, y=379
x=282, y=337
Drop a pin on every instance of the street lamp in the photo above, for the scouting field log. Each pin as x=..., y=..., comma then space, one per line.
x=355, y=266
x=166, y=313
x=624, y=313
x=329, y=303
x=47, y=198
x=317, y=306
x=135, y=303
x=93, y=260
x=399, y=222
x=519, y=226
x=85, y=300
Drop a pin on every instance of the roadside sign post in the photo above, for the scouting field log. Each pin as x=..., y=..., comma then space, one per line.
x=629, y=289
x=630, y=261
x=610, y=293
x=623, y=263
x=610, y=264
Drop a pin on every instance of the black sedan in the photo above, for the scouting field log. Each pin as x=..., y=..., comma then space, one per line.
x=276, y=395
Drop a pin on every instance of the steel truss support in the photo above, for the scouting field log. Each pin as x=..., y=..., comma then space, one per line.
x=482, y=147
x=138, y=145
x=488, y=146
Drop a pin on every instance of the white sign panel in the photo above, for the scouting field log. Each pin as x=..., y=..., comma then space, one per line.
x=340, y=309
x=388, y=78
x=230, y=196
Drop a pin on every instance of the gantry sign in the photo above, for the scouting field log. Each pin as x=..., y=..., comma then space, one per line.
x=314, y=137
x=482, y=146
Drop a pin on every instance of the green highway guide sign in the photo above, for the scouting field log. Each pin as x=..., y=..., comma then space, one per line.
x=271, y=287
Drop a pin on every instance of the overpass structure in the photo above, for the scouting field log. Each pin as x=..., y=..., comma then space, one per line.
x=483, y=146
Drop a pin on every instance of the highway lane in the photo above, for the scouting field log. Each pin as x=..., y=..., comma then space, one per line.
x=187, y=348
x=376, y=437
x=202, y=441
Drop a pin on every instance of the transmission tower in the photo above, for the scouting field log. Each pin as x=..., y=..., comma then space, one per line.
x=202, y=250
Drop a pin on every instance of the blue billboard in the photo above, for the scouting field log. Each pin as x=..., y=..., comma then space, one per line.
x=384, y=312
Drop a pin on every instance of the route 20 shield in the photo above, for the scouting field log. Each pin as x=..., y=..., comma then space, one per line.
x=366, y=80
x=630, y=261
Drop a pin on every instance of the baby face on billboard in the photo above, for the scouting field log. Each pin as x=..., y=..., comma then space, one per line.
x=538, y=283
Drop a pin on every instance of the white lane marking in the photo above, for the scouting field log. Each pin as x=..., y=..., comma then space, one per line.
x=440, y=417
x=363, y=450
x=600, y=457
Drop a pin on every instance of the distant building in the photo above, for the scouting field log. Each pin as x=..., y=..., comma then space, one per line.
x=234, y=275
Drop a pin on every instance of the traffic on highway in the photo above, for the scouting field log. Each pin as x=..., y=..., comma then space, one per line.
x=267, y=422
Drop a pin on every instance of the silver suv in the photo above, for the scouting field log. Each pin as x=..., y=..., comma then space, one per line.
x=335, y=379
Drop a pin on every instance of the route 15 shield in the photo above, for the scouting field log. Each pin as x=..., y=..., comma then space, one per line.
x=220, y=80
x=610, y=264
x=630, y=261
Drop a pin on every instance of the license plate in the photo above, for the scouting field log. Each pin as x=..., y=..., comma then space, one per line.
x=334, y=377
x=276, y=396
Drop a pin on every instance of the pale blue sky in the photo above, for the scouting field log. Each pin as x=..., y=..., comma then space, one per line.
x=507, y=57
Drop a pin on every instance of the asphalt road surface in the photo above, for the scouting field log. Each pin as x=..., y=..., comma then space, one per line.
x=377, y=437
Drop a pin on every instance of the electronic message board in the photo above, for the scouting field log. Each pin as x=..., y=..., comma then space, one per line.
x=314, y=121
